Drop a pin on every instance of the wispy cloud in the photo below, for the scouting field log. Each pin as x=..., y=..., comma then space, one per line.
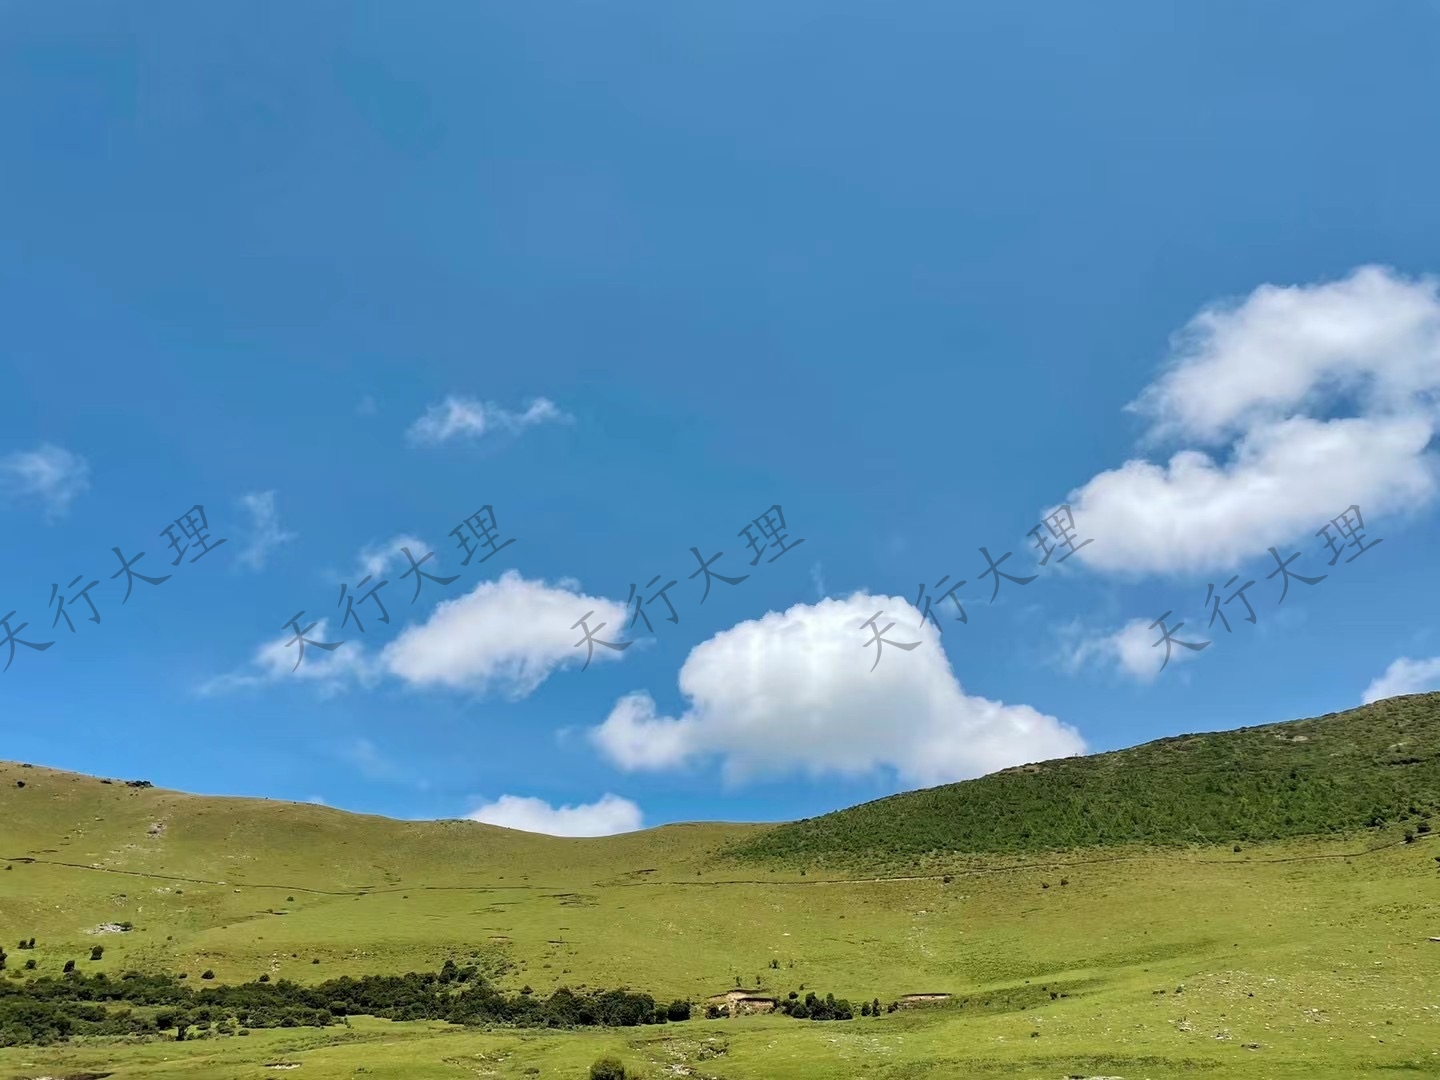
x=817, y=578
x=608, y=815
x=50, y=473
x=1405, y=676
x=366, y=407
x=266, y=533
x=331, y=672
x=375, y=559
x=367, y=759
x=1134, y=650
x=458, y=417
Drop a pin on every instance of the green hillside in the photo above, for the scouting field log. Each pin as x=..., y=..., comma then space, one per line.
x=1295, y=957
x=1376, y=765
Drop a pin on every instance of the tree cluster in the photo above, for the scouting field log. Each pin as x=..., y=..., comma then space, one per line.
x=46, y=1010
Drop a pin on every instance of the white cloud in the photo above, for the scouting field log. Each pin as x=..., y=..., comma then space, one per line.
x=265, y=531
x=1405, y=676
x=331, y=672
x=470, y=418
x=508, y=634
x=1318, y=397
x=375, y=559
x=608, y=815
x=1135, y=650
x=795, y=691
x=50, y=473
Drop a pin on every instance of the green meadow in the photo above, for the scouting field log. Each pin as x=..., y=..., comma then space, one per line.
x=1129, y=949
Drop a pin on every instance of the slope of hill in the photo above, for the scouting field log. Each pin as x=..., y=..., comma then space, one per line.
x=1345, y=771
x=1290, y=959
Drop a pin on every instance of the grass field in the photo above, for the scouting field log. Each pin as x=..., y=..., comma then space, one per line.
x=1300, y=957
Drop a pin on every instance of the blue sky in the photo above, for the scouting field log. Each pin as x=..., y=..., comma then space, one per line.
x=632, y=275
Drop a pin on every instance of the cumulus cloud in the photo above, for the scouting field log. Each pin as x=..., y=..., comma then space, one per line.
x=508, y=634
x=49, y=473
x=1405, y=676
x=266, y=533
x=331, y=672
x=608, y=815
x=1135, y=650
x=795, y=691
x=458, y=417
x=1297, y=402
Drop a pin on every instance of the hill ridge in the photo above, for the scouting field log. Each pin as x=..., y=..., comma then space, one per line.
x=1335, y=773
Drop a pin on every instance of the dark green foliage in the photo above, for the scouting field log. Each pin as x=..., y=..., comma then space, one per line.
x=97, y=952
x=816, y=1008
x=678, y=1010
x=49, y=1010
x=207, y=974
x=69, y=966
x=1335, y=773
x=607, y=1068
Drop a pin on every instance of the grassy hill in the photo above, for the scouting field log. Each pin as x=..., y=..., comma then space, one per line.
x=1333, y=774
x=1298, y=956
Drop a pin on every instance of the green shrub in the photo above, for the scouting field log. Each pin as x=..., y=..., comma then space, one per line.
x=97, y=952
x=607, y=1068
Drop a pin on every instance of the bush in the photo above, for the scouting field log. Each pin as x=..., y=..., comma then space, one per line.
x=97, y=952
x=69, y=966
x=264, y=978
x=607, y=1068
x=207, y=974
x=678, y=1010
x=29, y=965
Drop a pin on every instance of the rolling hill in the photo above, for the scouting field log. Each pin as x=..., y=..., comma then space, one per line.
x=1090, y=916
x=1338, y=773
